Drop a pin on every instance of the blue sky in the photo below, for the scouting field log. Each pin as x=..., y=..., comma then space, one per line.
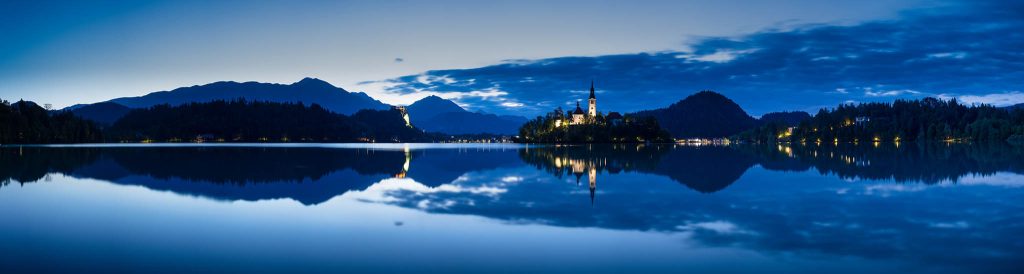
x=523, y=57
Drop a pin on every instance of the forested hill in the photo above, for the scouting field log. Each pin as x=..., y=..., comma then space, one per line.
x=25, y=122
x=928, y=119
x=246, y=121
x=705, y=114
x=788, y=118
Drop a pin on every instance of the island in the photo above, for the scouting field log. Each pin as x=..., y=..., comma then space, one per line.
x=592, y=126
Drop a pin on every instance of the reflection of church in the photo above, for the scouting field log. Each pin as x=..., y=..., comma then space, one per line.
x=578, y=168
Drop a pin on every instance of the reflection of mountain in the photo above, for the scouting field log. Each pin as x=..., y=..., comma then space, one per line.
x=306, y=174
x=705, y=169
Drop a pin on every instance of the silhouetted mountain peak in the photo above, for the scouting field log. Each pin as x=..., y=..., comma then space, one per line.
x=436, y=114
x=307, y=91
x=708, y=97
x=313, y=83
x=431, y=106
x=705, y=114
x=103, y=113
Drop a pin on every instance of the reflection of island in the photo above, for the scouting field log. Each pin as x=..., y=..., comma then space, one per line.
x=306, y=174
x=709, y=169
x=705, y=168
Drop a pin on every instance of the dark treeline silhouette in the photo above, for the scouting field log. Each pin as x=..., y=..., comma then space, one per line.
x=27, y=123
x=246, y=121
x=554, y=128
x=929, y=119
x=789, y=118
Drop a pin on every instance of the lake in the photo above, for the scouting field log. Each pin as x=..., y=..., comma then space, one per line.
x=366, y=208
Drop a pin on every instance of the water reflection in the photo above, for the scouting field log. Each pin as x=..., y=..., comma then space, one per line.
x=931, y=204
x=312, y=175
x=306, y=174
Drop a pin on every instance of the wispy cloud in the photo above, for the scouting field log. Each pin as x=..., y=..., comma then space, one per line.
x=995, y=99
x=971, y=50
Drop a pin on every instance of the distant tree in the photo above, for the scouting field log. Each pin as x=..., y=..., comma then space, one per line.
x=25, y=122
x=245, y=121
x=928, y=119
x=554, y=128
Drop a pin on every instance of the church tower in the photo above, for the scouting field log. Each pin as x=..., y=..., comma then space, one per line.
x=592, y=109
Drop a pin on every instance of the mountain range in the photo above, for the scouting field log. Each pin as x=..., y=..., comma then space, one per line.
x=705, y=114
x=432, y=114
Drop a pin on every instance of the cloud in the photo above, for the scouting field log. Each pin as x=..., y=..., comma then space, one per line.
x=995, y=99
x=721, y=56
x=895, y=92
x=971, y=50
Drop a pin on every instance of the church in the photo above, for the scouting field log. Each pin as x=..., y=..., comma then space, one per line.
x=579, y=117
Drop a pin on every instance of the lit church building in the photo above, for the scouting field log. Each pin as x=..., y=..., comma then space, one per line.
x=578, y=116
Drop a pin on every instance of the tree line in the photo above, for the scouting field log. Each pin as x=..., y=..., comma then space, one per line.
x=25, y=122
x=256, y=121
x=554, y=128
x=928, y=119
x=216, y=121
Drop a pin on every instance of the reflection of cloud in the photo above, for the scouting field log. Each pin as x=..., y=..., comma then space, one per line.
x=1003, y=179
x=793, y=212
x=886, y=189
x=383, y=191
x=512, y=179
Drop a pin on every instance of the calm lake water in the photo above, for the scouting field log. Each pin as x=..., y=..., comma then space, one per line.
x=506, y=208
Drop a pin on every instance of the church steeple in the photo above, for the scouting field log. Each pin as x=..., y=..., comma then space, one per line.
x=592, y=90
x=592, y=102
